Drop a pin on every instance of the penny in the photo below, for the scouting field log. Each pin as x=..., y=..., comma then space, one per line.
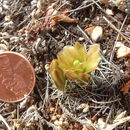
x=17, y=77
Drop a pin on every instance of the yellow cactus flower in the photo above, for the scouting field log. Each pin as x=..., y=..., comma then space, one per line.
x=76, y=63
x=73, y=62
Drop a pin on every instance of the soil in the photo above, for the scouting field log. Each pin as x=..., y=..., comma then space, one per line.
x=84, y=108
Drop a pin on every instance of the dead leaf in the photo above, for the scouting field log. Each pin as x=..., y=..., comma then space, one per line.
x=64, y=18
x=123, y=52
x=126, y=88
x=53, y=16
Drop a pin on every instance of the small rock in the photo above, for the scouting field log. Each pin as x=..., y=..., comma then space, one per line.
x=104, y=51
x=119, y=44
x=86, y=109
x=123, y=52
x=109, y=12
x=95, y=32
x=61, y=119
x=82, y=106
x=81, y=38
x=5, y=6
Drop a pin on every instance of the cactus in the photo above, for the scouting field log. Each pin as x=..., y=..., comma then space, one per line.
x=73, y=62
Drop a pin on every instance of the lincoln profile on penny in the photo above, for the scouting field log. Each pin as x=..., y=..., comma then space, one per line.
x=17, y=77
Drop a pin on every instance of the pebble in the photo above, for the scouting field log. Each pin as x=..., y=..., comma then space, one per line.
x=123, y=52
x=104, y=51
x=86, y=109
x=95, y=32
x=81, y=106
x=109, y=12
x=61, y=119
x=81, y=38
x=119, y=44
x=5, y=6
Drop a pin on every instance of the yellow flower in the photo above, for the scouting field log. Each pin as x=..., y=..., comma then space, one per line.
x=73, y=62
x=76, y=63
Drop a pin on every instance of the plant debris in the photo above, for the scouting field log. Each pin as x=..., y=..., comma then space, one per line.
x=126, y=88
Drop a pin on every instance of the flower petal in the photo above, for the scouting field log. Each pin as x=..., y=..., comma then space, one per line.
x=81, y=51
x=84, y=76
x=71, y=74
x=93, y=58
x=94, y=49
x=53, y=65
x=57, y=75
x=66, y=57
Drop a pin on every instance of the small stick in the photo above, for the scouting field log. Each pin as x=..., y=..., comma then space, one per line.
x=4, y=121
x=107, y=102
x=112, y=54
x=108, y=117
x=114, y=27
x=84, y=34
x=64, y=12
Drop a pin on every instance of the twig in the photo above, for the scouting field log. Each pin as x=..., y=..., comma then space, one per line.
x=112, y=54
x=84, y=34
x=111, y=25
x=64, y=12
x=108, y=102
x=108, y=117
x=4, y=121
x=123, y=120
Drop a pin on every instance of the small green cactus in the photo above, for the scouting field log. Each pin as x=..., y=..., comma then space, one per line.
x=73, y=62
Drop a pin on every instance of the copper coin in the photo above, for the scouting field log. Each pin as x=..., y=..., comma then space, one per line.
x=17, y=77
